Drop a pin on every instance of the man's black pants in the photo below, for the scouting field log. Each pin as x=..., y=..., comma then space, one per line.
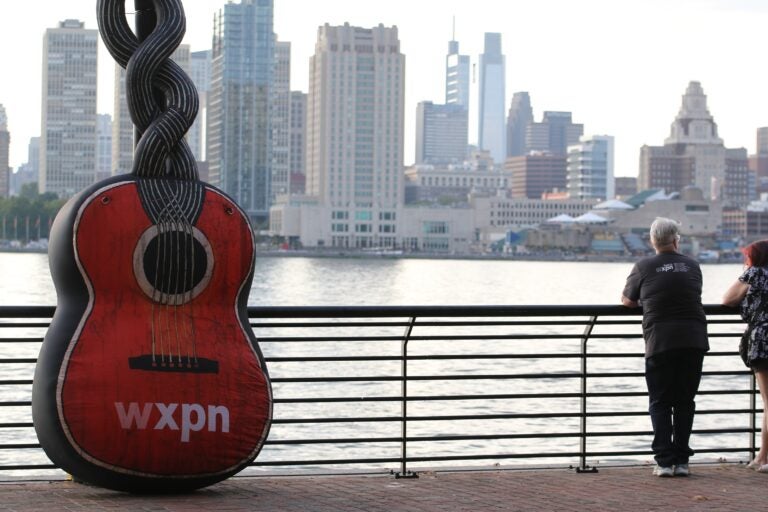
x=673, y=379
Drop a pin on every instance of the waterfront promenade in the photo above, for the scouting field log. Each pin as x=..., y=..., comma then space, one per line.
x=726, y=487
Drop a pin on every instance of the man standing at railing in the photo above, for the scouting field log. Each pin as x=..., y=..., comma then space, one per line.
x=668, y=287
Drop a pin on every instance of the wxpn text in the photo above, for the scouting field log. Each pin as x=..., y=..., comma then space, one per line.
x=192, y=417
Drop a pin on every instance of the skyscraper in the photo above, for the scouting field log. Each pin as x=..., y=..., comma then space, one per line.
x=200, y=67
x=103, y=146
x=355, y=110
x=590, y=168
x=694, y=154
x=758, y=163
x=239, y=128
x=281, y=120
x=441, y=133
x=68, y=130
x=5, y=142
x=298, y=135
x=491, y=124
x=122, y=127
x=554, y=133
x=519, y=118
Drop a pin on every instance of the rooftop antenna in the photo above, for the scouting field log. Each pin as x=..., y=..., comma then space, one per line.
x=453, y=32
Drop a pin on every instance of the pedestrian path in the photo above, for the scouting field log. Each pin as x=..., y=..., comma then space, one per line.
x=727, y=487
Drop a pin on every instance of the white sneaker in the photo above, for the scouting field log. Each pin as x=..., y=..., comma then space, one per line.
x=663, y=471
x=682, y=470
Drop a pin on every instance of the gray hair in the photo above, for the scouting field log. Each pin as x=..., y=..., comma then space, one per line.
x=664, y=231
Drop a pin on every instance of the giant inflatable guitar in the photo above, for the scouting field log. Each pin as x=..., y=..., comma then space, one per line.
x=150, y=378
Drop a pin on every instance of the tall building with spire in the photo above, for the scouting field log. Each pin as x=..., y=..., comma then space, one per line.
x=519, y=118
x=68, y=128
x=491, y=99
x=238, y=122
x=695, y=155
x=456, y=75
x=5, y=142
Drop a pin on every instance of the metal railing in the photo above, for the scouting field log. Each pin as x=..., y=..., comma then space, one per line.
x=405, y=388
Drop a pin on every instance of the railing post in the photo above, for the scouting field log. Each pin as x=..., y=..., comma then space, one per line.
x=583, y=468
x=404, y=472
x=753, y=415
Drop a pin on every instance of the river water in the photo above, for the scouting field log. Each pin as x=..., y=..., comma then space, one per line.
x=289, y=281
x=278, y=281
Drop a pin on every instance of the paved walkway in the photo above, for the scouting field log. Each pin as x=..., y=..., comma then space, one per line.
x=711, y=487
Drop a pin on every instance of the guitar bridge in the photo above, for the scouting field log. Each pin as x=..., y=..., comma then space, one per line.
x=183, y=364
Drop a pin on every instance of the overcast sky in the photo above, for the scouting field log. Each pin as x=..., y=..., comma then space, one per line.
x=620, y=66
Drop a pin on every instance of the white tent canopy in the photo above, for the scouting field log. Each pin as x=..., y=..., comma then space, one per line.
x=590, y=218
x=613, y=204
x=562, y=218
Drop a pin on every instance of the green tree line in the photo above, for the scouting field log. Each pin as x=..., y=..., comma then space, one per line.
x=29, y=215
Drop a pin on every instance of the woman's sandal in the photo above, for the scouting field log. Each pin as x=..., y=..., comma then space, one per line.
x=757, y=466
x=763, y=469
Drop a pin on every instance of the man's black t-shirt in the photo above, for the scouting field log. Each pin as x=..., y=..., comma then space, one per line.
x=668, y=287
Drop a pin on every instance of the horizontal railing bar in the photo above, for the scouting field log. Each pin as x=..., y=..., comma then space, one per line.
x=19, y=446
x=27, y=467
x=404, y=311
x=21, y=340
x=31, y=360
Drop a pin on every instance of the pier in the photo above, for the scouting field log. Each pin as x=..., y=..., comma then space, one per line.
x=722, y=488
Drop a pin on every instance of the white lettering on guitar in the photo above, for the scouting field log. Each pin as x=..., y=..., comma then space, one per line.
x=193, y=417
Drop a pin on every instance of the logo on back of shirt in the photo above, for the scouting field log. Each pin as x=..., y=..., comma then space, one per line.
x=673, y=267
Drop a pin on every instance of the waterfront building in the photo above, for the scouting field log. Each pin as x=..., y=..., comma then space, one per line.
x=491, y=99
x=441, y=133
x=519, y=119
x=590, y=168
x=554, y=133
x=497, y=214
x=5, y=143
x=355, y=112
x=694, y=155
x=698, y=215
x=750, y=223
x=200, y=73
x=281, y=121
x=238, y=119
x=68, y=128
x=103, y=146
x=451, y=184
x=536, y=173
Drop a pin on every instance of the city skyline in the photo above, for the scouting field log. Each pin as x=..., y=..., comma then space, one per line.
x=631, y=82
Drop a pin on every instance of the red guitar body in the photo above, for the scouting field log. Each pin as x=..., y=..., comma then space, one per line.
x=143, y=381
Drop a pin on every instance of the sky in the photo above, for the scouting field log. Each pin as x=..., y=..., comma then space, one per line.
x=620, y=66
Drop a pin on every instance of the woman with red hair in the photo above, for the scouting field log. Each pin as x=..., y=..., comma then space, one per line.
x=750, y=294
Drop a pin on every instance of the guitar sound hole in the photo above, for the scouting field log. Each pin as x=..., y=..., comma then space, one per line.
x=174, y=262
